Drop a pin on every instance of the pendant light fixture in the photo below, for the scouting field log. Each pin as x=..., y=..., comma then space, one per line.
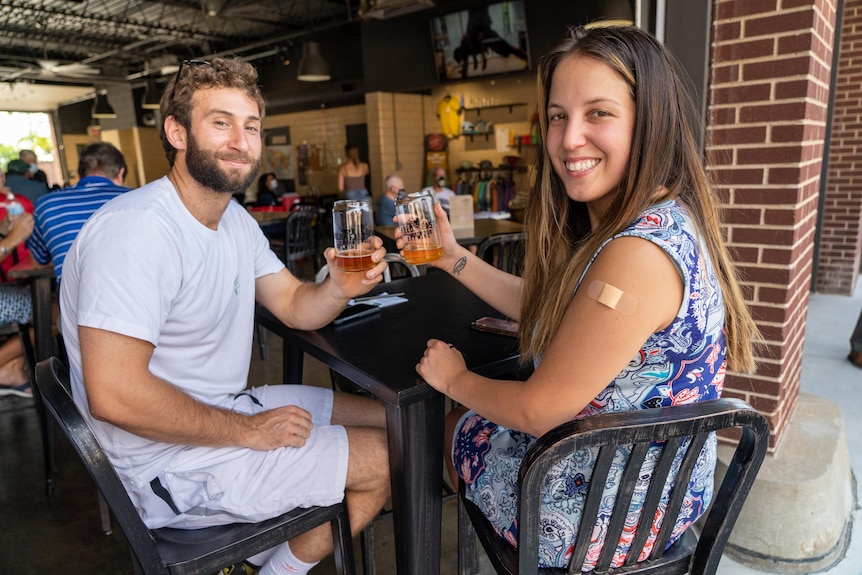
x=610, y=13
x=101, y=107
x=152, y=96
x=312, y=67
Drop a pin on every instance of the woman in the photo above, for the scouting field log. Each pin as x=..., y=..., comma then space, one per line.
x=628, y=299
x=352, y=174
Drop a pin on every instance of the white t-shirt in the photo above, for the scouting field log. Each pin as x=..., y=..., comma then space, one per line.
x=144, y=267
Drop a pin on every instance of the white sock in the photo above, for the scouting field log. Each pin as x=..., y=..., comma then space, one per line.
x=283, y=561
x=261, y=558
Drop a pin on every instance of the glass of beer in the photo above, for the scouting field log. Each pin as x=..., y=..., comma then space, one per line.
x=414, y=214
x=352, y=229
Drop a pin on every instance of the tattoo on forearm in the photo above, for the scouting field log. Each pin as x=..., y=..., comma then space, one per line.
x=459, y=265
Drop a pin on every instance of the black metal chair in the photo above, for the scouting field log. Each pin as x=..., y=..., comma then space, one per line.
x=300, y=240
x=504, y=251
x=180, y=551
x=639, y=429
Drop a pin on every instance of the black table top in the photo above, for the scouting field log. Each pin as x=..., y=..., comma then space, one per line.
x=380, y=353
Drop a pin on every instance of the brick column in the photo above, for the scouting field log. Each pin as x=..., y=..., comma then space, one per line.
x=841, y=226
x=767, y=121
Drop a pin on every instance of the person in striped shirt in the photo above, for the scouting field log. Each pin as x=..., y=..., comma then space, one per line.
x=61, y=214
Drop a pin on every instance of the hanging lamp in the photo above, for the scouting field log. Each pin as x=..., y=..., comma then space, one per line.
x=312, y=67
x=101, y=107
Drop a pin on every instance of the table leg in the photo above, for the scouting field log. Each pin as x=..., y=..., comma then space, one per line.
x=416, y=467
x=291, y=366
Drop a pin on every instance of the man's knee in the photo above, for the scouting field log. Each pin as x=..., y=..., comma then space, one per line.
x=368, y=457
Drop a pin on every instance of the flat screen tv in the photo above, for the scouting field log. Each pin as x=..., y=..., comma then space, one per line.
x=491, y=39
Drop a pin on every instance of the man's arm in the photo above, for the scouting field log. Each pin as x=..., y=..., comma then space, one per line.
x=311, y=305
x=122, y=391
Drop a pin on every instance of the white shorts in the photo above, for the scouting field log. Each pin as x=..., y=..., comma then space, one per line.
x=213, y=486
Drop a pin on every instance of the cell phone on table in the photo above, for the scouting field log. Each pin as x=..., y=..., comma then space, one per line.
x=354, y=312
x=496, y=325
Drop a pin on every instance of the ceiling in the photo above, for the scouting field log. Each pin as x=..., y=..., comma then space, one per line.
x=98, y=42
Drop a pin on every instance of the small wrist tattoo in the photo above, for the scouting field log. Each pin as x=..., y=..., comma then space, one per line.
x=459, y=265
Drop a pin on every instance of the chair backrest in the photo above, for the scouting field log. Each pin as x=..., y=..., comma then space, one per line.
x=641, y=429
x=504, y=251
x=300, y=240
x=52, y=381
x=180, y=551
x=391, y=258
x=400, y=262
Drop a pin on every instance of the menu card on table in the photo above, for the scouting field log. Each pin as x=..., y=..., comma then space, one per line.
x=461, y=213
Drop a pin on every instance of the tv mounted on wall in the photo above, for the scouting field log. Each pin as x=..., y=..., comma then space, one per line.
x=491, y=39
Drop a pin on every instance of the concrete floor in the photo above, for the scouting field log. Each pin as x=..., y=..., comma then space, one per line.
x=64, y=537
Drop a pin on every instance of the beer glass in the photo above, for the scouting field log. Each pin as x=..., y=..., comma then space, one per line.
x=414, y=214
x=352, y=229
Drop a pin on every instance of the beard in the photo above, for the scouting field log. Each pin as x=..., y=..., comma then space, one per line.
x=203, y=167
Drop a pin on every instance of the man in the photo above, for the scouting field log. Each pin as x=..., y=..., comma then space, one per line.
x=384, y=208
x=438, y=186
x=29, y=156
x=20, y=180
x=158, y=298
x=60, y=215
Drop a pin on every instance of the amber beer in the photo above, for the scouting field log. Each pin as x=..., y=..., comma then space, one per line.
x=422, y=254
x=415, y=216
x=352, y=229
x=354, y=260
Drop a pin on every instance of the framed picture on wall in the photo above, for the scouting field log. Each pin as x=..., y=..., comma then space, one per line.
x=278, y=155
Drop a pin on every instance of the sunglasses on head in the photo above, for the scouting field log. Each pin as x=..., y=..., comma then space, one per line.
x=183, y=64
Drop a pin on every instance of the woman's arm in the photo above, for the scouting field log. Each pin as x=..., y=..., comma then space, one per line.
x=595, y=341
x=500, y=290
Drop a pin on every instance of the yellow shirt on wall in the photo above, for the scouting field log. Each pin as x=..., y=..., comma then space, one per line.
x=449, y=112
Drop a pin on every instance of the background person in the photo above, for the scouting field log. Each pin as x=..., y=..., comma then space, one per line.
x=269, y=190
x=438, y=186
x=352, y=175
x=158, y=298
x=599, y=224
x=61, y=214
x=20, y=180
x=29, y=156
x=384, y=207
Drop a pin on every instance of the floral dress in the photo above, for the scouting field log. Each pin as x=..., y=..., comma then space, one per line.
x=683, y=363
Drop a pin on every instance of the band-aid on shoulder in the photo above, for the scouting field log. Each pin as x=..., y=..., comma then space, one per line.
x=612, y=297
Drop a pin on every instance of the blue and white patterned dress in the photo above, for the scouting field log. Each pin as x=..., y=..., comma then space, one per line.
x=683, y=363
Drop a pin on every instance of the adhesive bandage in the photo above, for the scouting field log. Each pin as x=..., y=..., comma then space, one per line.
x=612, y=297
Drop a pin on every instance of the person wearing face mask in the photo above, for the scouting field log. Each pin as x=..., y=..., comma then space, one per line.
x=269, y=190
x=438, y=186
x=29, y=156
x=20, y=180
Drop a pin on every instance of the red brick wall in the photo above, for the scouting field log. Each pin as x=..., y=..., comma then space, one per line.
x=841, y=229
x=767, y=120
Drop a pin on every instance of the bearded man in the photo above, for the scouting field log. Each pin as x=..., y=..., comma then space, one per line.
x=158, y=299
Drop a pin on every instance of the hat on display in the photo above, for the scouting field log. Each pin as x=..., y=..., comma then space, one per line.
x=466, y=165
x=486, y=164
x=18, y=167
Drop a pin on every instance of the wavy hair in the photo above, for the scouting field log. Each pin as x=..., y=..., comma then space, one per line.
x=665, y=164
x=196, y=75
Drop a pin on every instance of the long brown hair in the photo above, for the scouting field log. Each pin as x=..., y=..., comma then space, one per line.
x=665, y=164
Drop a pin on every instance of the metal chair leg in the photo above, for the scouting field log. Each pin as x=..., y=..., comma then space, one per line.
x=105, y=514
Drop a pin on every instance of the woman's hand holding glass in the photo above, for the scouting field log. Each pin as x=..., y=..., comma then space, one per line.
x=451, y=248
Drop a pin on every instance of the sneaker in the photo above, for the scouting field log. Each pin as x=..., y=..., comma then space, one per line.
x=244, y=568
x=22, y=390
